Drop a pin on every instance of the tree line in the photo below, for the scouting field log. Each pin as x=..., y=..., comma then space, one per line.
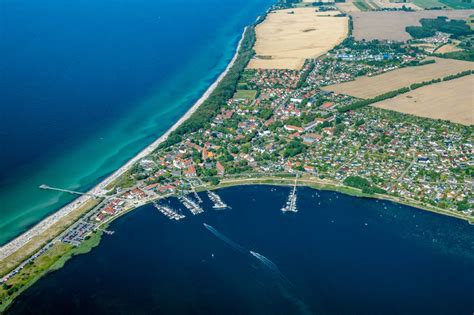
x=429, y=27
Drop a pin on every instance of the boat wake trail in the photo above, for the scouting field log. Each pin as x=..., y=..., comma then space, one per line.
x=222, y=237
x=271, y=266
x=283, y=283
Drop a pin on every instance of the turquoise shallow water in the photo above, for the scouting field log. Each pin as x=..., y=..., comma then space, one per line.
x=338, y=255
x=86, y=85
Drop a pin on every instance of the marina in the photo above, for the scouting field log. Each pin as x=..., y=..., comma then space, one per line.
x=176, y=258
x=290, y=205
x=169, y=212
x=191, y=205
x=216, y=199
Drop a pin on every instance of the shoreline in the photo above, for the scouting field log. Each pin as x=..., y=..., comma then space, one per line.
x=100, y=189
x=20, y=242
x=312, y=183
x=343, y=189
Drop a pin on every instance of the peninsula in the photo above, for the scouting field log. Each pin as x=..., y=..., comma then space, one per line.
x=293, y=118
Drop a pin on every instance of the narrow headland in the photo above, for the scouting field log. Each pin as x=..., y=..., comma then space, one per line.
x=274, y=127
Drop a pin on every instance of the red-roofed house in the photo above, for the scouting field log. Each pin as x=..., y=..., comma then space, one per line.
x=190, y=172
x=327, y=105
x=220, y=169
x=294, y=128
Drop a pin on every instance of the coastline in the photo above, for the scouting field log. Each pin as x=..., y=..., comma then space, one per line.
x=262, y=206
x=22, y=241
x=315, y=183
x=100, y=189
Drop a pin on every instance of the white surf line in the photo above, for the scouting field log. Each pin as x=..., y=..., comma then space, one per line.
x=18, y=242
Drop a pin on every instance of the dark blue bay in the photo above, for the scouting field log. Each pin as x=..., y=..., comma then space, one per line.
x=337, y=255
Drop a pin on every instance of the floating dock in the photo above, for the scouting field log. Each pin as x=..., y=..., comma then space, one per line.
x=290, y=205
x=216, y=199
x=191, y=205
x=170, y=213
x=196, y=196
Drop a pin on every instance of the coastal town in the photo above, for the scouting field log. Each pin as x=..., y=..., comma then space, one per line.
x=282, y=122
x=290, y=126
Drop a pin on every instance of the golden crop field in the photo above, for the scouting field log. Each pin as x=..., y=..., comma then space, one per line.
x=368, y=87
x=288, y=37
x=390, y=25
x=450, y=100
x=447, y=49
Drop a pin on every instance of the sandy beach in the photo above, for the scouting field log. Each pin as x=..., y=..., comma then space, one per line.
x=99, y=190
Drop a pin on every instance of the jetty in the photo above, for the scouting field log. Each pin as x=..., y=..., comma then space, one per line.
x=192, y=206
x=169, y=212
x=196, y=196
x=46, y=187
x=216, y=199
x=290, y=205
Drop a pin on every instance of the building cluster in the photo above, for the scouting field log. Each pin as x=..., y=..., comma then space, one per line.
x=288, y=124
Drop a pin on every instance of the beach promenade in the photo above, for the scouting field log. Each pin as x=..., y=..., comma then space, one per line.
x=100, y=189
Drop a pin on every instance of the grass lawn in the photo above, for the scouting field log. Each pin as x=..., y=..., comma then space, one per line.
x=470, y=22
x=10, y=262
x=53, y=259
x=30, y=273
x=247, y=94
x=428, y=3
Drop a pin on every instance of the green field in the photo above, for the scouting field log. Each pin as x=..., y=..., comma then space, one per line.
x=362, y=5
x=53, y=259
x=470, y=22
x=373, y=5
x=459, y=4
x=428, y=3
x=246, y=94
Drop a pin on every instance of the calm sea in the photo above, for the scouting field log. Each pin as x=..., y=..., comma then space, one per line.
x=337, y=255
x=85, y=85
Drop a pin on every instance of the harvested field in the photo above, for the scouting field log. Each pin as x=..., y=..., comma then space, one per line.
x=390, y=25
x=368, y=87
x=450, y=100
x=447, y=49
x=288, y=37
x=427, y=47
